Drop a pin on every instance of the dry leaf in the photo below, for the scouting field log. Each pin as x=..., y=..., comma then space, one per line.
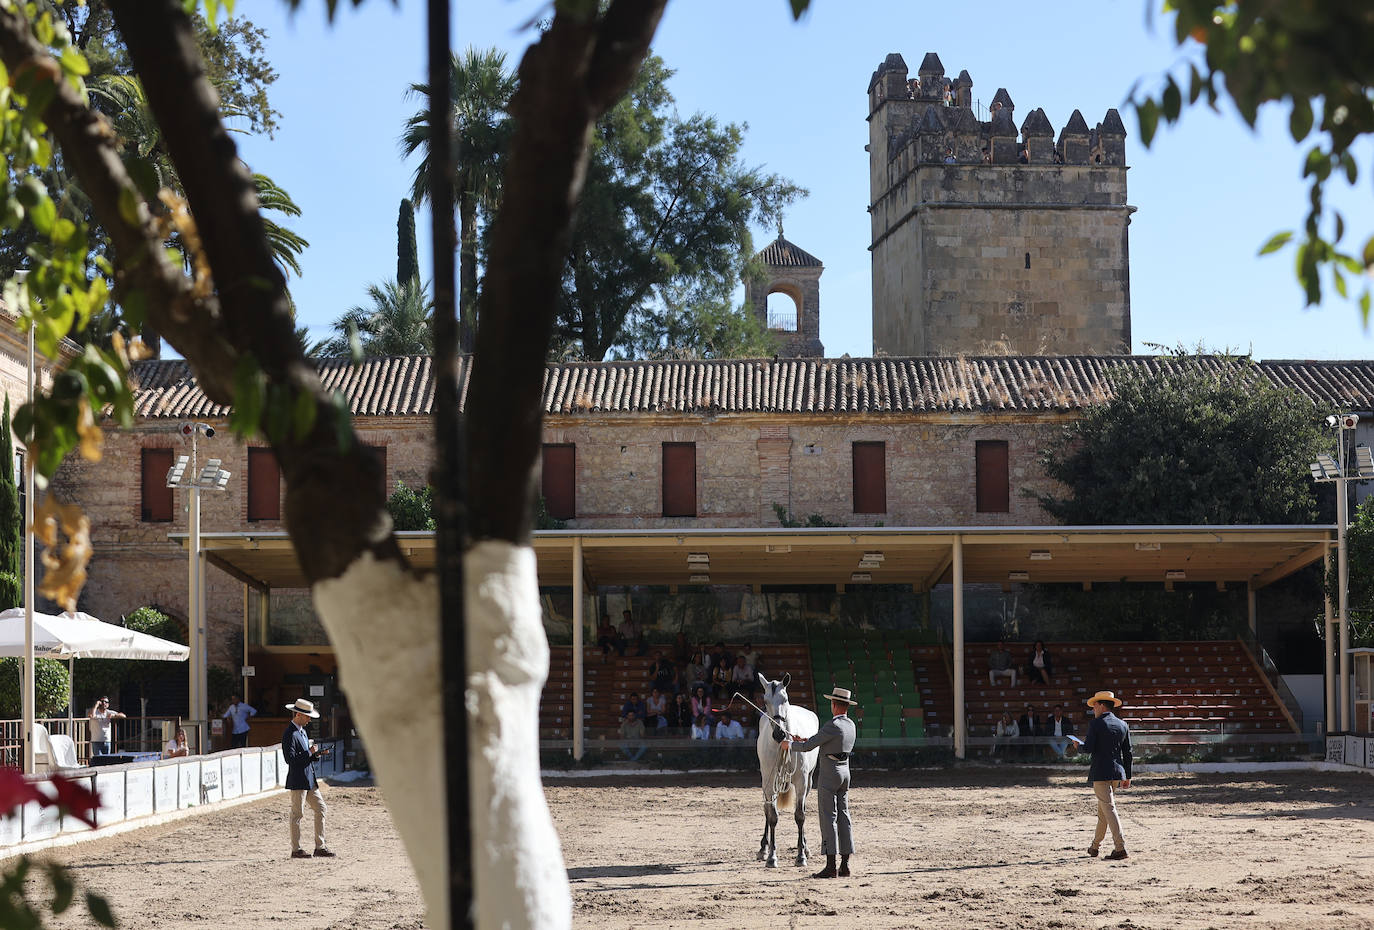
x=92, y=437
x=64, y=573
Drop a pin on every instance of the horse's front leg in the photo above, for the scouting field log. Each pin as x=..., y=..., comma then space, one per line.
x=800, y=814
x=763, y=843
x=770, y=835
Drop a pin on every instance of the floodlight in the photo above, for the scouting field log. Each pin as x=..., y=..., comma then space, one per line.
x=209, y=474
x=1325, y=468
x=1018, y=576
x=1040, y=555
x=222, y=480
x=177, y=471
x=1364, y=461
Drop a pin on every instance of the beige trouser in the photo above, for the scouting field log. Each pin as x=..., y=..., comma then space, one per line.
x=298, y=801
x=1106, y=815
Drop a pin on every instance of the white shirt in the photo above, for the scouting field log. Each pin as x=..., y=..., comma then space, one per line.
x=732, y=731
x=701, y=732
x=172, y=747
x=100, y=726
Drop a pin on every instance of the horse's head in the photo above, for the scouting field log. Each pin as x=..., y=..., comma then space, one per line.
x=775, y=695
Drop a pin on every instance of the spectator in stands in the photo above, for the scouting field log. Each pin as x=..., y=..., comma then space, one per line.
x=607, y=638
x=656, y=710
x=701, y=704
x=742, y=678
x=694, y=674
x=721, y=656
x=632, y=730
x=752, y=657
x=1030, y=724
x=1059, y=728
x=682, y=650
x=633, y=706
x=680, y=712
x=1038, y=665
x=721, y=676
x=1005, y=733
x=1000, y=665
x=663, y=674
x=701, y=727
x=177, y=747
x=631, y=634
x=729, y=728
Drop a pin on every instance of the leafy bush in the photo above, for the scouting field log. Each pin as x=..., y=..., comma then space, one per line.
x=50, y=687
x=411, y=509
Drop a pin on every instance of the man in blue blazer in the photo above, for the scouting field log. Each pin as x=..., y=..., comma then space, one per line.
x=300, y=754
x=1109, y=741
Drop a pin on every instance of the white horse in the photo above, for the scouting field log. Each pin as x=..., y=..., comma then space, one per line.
x=786, y=774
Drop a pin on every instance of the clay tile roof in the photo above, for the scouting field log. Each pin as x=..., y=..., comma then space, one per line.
x=403, y=386
x=783, y=254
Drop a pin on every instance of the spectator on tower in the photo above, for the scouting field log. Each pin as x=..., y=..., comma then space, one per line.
x=1038, y=665
x=1000, y=665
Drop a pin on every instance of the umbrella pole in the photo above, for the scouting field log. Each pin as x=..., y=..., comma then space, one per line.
x=71, y=696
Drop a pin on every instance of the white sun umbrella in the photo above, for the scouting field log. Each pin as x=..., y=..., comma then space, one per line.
x=81, y=636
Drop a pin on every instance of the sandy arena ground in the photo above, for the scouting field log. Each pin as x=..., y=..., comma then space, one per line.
x=980, y=847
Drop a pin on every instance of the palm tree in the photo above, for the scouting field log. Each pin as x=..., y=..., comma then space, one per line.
x=397, y=322
x=480, y=88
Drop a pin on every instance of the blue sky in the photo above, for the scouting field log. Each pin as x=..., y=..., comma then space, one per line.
x=1209, y=193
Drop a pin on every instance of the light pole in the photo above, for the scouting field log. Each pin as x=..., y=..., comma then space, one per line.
x=211, y=478
x=1337, y=470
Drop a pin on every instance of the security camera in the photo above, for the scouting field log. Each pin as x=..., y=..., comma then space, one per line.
x=209, y=431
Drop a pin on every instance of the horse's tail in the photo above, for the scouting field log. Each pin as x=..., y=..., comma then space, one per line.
x=787, y=798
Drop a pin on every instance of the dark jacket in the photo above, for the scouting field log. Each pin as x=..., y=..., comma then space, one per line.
x=1109, y=742
x=300, y=767
x=1031, y=725
x=1030, y=662
x=1065, y=730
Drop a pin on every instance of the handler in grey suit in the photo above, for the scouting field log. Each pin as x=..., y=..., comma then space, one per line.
x=836, y=742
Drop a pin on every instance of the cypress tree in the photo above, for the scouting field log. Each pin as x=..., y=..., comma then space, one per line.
x=407, y=258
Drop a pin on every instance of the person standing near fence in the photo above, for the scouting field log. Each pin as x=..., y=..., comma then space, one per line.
x=100, y=727
x=238, y=713
x=301, y=753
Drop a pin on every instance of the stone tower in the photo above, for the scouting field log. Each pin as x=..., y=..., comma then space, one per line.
x=987, y=240
x=789, y=270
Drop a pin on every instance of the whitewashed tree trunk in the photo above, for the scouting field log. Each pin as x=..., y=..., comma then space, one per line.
x=384, y=625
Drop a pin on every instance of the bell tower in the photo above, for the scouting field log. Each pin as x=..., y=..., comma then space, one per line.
x=796, y=274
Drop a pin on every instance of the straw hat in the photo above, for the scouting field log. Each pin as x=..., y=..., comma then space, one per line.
x=302, y=706
x=841, y=695
x=1107, y=696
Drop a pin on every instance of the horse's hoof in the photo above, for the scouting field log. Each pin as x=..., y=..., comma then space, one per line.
x=760, y=856
x=771, y=863
x=801, y=860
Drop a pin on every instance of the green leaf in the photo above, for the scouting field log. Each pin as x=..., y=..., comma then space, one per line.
x=304, y=414
x=1276, y=242
x=1300, y=120
x=128, y=206
x=63, y=888
x=1340, y=282
x=799, y=7
x=1148, y=114
x=1172, y=101
x=73, y=62
x=1369, y=253
x=249, y=396
x=100, y=909
x=1364, y=308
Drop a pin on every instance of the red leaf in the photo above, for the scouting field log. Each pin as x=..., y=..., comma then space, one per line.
x=74, y=798
x=16, y=790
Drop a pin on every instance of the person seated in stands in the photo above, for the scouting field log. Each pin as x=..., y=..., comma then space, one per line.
x=633, y=706
x=694, y=674
x=680, y=713
x=607, y=638
x=632, y=729
x=656, y=710
x=1000, y=665
x=1059, y=728
x=631, y=634
x=1031, y=725
x=682, y=650
x=721, y=656
x=752, y=657
x=177, y=747
x=1038, y=666
x=701, y=704
x=663, y=674
x=742, y=678
x=1005, y=733
x=701, y=727
x=729, y=727
x=721, y=677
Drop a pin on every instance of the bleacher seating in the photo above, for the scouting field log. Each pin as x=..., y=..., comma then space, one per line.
x=876, y=667
x=608, y=682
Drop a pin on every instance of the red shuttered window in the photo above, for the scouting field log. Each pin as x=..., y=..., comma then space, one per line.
x=157, y=497
x=870, y=477
x=679, y=479
x=559, y=481
x=264, y=485
x=994, y=483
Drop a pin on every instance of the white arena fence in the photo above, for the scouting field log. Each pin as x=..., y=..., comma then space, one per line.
x=138, y=790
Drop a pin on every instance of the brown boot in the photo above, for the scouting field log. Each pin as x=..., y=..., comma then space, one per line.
x=829, y=870
x=844, y=867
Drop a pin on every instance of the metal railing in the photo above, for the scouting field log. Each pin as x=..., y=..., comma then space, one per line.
x=127, y=734
x=1271, y=672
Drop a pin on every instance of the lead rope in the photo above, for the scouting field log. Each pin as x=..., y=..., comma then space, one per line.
x=785, y=770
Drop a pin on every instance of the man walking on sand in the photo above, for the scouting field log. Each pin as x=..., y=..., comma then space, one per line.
x=836, y=742
x=1109, y=741
x=301, y=752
